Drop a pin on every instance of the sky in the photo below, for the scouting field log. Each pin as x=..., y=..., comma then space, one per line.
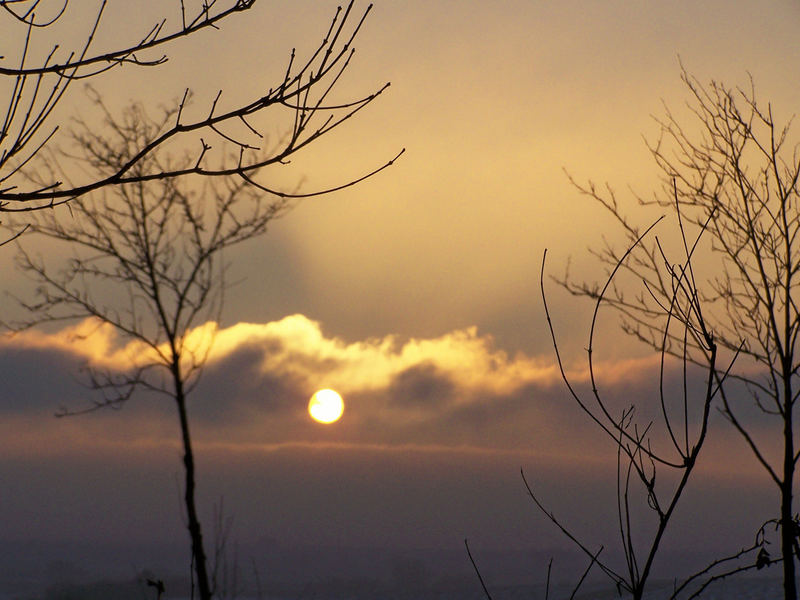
x=415, y=294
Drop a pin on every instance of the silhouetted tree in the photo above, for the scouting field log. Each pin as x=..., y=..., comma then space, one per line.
x=157, y=242
x=36, y=72
x=670, y=446
x=736, y=168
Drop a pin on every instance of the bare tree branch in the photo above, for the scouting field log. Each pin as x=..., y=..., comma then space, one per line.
x=299, y=98
x=734, y=171
x=638, y=461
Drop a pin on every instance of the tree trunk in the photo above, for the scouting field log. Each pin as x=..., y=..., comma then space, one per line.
x=787, y=530
x=787, y=543
x=198, y=552
x=787, y=516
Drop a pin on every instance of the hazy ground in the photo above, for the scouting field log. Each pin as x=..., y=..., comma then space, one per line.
x=329, y=573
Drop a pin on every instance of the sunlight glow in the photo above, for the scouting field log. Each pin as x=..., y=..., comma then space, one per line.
x=326, y=406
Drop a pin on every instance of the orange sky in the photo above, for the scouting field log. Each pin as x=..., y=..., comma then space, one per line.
x=491, y=103
x=416, y=293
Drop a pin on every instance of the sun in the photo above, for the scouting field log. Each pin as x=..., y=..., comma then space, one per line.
x=326, y=406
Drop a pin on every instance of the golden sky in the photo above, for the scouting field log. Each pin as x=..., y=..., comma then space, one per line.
x=416, y=293
x=492, y=102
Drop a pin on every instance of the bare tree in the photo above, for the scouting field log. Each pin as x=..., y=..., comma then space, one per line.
x=736, y=167
x=157, y=243
x=669, y=446
x=33, y=91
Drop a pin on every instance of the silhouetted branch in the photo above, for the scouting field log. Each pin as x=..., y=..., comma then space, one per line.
x=477, y=571
x=718, y=576
x=585, y=573
x=152, y=39
x=616, y=578
x=28, y=182
x=734, y=173
x=637, y=460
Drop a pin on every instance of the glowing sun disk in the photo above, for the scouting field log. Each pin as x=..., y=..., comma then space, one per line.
x=325, y=406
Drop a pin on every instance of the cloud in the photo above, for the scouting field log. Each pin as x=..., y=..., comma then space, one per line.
x=38, y=380
x=457, y=390
x=297, y=345
x=420, y=386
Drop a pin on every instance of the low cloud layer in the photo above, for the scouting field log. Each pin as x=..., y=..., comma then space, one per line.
x=453, y=391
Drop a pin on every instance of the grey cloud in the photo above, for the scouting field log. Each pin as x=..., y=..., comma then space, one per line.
x=235, y=387
x=422, y=386
x=237, y=400
x=39, y=380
